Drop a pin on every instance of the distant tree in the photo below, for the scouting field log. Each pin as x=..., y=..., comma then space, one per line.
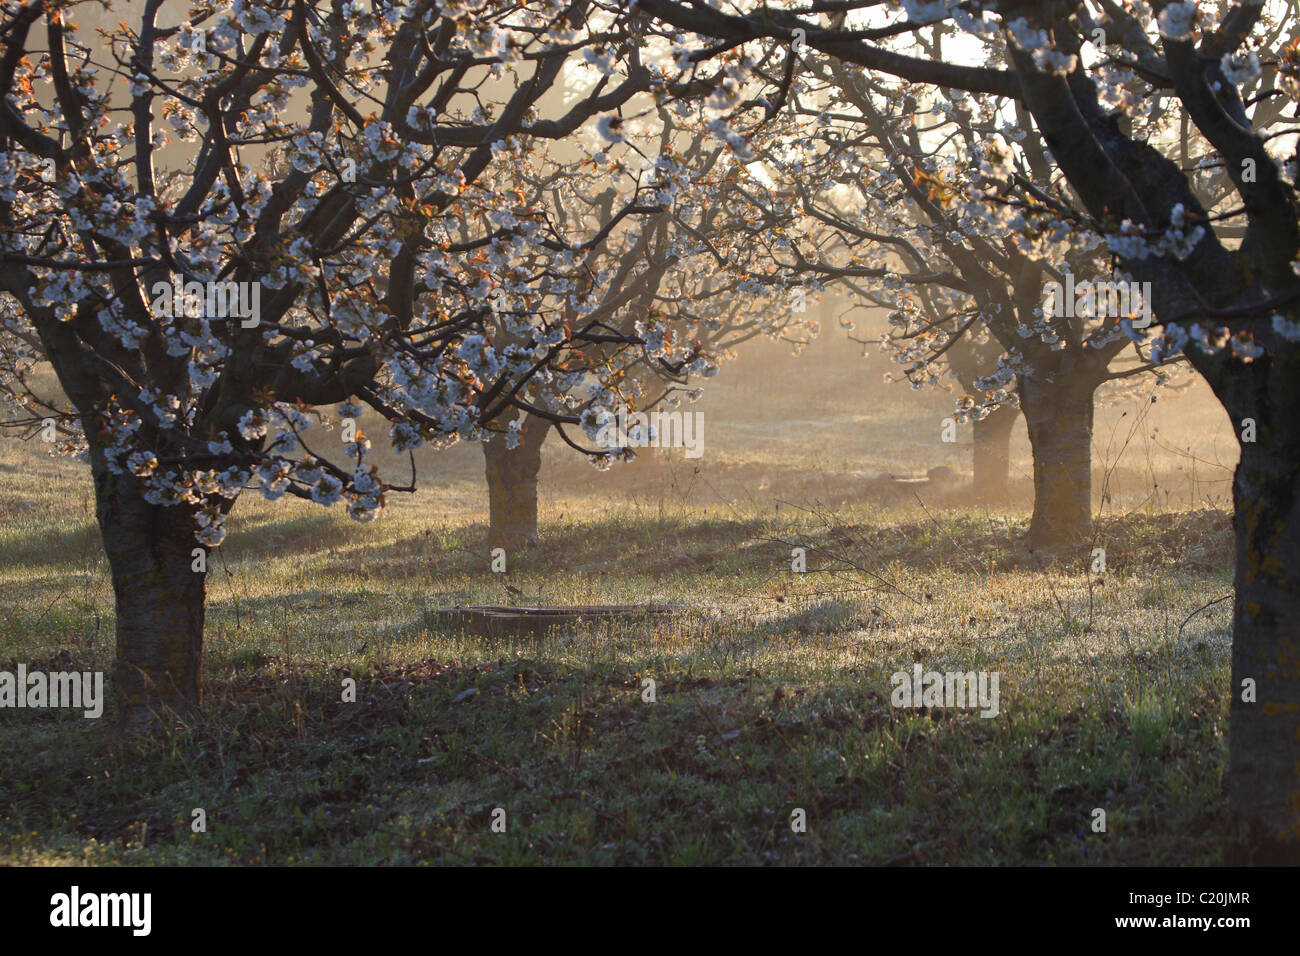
x=891, y=182
x=695, y=270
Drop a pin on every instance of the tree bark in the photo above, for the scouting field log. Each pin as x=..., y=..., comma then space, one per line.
x=1264, y=765
x=160, y=602
x=512, y=475
x=991, y=460
x=1059, y=420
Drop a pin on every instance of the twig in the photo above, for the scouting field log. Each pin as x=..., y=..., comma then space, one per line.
x=1203, y=607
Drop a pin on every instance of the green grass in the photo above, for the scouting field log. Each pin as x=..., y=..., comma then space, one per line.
x=772, y=693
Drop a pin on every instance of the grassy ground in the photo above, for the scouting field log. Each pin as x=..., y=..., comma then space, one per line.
x=772, y=690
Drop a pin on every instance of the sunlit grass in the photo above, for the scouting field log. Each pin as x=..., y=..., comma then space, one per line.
x=772, y=691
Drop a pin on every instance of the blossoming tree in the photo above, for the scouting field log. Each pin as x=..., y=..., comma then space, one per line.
x=211, y=228
x=697, y=269
x=1224, y=268
x=976, y=246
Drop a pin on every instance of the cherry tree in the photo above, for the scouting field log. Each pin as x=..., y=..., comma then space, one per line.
x=1225, y=278
x=697, y=269
x=959, y=227
x=216, y=231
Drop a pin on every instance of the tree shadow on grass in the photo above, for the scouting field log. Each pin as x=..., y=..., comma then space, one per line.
x=1199, y=541
x=965, y=541
x=609, y=544
x=55, y=549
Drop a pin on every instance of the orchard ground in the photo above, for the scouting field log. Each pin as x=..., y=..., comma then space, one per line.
x=772, y=690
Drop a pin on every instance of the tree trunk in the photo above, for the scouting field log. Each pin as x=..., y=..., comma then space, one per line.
x=1059, y=420
x=992, y=455
x=1264, y=767
x=160, y=602
x=512, y=475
